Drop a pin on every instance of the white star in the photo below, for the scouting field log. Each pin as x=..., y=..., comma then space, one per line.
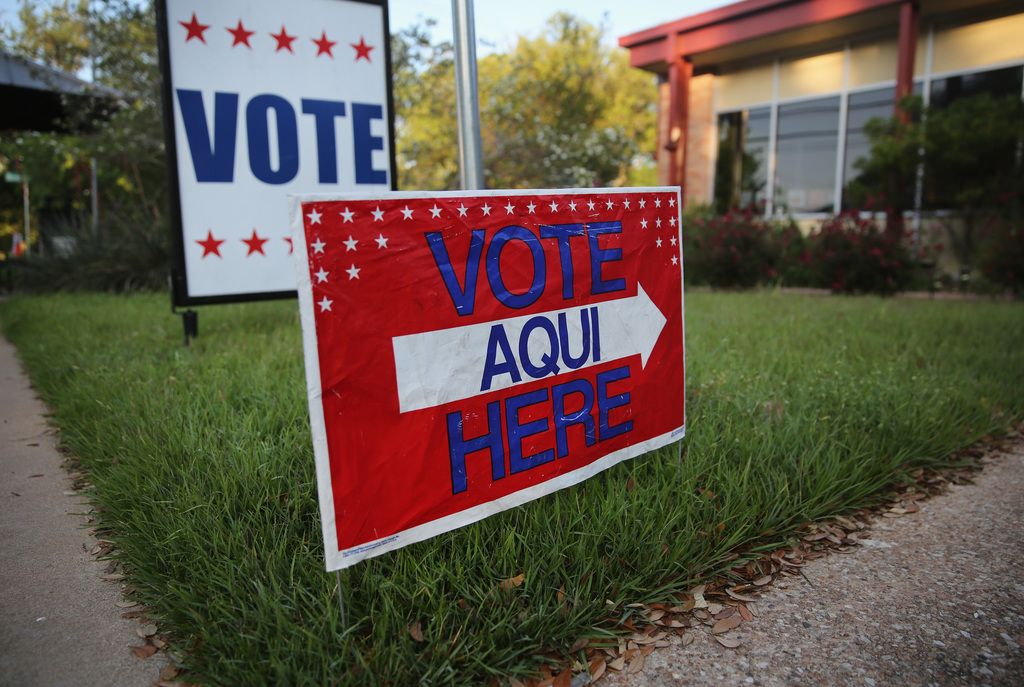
x=572, y=206
x=382, y=241
x=486, y=209
x=509, y=208
x=378, y=214
x=553, y=206
x=325, y=303
x=321, y=276
x=672, y=220
x=625, y=203
x=643, y=223
x=590, y=204
x=657, y=202
x=672, y=202
x=675, y=260
x=346, y=216
x=658, y=242
x=657, y=223
x=609, y=204
x=531, y=207
x=350, y=244
x=462, y=210
x=673, y=240
x=318, y=246
x=435, y=212
x=643, y=203
x=353, y=272
x=314, y=217
x=406, y=213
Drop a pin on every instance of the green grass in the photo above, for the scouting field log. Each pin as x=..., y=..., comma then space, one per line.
x=798, y=408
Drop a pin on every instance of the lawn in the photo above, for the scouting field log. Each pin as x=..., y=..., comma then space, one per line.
x=798, y=408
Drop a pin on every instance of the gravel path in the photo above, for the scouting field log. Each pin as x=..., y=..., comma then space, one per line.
x=59, y=624
x=934, y=598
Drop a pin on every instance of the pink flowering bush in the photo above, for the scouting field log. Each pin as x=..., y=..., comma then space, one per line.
x=734, y=250
x=853, y=255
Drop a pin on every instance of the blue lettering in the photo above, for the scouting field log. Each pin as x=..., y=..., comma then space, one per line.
x=549, y=361
x=324, y=112
x=257, y=126
x=365, y=143
x=493, y=266
x=605, y=403
x=517, y=432
x=563, y=420
x=599, y=256
x=213, y=158
x=459, y=447
x=492, y=368
x=562, y=233
x=462, y=298
x=563, y=334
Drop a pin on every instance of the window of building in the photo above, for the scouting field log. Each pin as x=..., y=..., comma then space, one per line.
x=997, y=82
x=860, y=108
x=805, y=164
x=741, y=175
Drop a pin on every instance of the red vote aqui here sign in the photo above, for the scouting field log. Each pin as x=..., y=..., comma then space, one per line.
x=467, y=352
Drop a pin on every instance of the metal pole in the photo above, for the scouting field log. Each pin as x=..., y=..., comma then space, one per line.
x=471, y=167
x=341, y=599
x=94, y=196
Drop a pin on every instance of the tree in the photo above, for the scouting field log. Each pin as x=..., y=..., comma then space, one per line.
x=57, y=35
x=970, y=154
x=560, y=109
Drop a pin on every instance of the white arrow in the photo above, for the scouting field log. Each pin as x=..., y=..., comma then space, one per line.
x=433, y=368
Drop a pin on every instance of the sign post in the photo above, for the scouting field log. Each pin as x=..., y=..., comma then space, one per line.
x=262, y=100
x=467, y=352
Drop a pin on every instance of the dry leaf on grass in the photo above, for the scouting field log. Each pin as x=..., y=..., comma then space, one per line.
x=618, y=664
x=740, y=597
x=762, y=581
x=728, y=642
x=512, y=582
x=144, y=651
x=126, y=603
x=416, y=631
x=168, y=673
x=597, y=667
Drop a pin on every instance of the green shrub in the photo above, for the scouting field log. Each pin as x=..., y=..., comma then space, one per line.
x=853, y=255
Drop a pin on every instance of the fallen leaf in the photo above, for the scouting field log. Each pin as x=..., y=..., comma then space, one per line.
x=146, y=630
x=560, y=595
x=715, y=609
x=563, y=679
x=512, y=582
x=618, y=664
x=168, y=673
x=686, y=639
x=698, y=597
x=637, y=664
x=745, y=613
x=416, y=631
x=158, y=643
x=726, y=624
x=762, y=581
x=725, y=613
x=630, y=484
x=144, y=651
x=112, y=577
x=597, y=668
x=728, y=642
x=655, y=616
x=126, y=603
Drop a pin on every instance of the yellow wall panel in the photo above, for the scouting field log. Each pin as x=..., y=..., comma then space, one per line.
x=873, y=63
x=811, y=75
x=739, y=89
x=979, y=45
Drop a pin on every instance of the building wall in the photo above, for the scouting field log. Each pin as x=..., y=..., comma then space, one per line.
x=701, y=139
x=848, y=67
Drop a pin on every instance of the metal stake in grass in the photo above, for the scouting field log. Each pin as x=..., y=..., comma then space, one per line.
x=341, y=599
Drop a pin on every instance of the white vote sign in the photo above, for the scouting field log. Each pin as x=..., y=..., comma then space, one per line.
x=266, y=99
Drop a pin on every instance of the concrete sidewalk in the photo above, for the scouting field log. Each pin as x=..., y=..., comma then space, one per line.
x=59, y=624
x=933, y=598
